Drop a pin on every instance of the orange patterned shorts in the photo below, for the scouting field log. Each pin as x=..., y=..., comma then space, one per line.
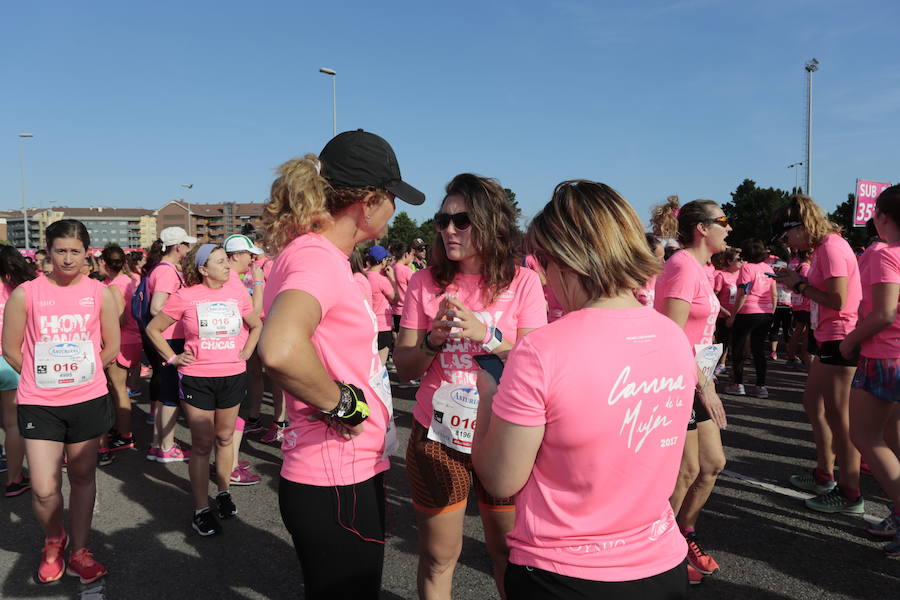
x=440, y=478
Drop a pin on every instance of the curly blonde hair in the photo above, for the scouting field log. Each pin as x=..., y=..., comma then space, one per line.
x=302, y=201
x=664, y=217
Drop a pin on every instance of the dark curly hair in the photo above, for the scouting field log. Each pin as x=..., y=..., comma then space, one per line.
x=495, y=235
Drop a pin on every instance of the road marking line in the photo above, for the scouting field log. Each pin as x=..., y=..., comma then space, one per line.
x=771, y=487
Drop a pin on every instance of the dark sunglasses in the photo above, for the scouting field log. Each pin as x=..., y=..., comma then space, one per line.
x=723, y=221
x=460, y=221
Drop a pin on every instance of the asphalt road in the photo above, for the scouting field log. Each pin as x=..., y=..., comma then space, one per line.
x=768, y=545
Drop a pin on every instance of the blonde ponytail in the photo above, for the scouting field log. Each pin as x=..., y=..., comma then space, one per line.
x=296, y=203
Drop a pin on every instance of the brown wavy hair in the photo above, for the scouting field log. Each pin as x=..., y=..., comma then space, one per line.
x=191, y=272
x=664, y=217
x=495, y=235
x=589, y=229
x=302, y=201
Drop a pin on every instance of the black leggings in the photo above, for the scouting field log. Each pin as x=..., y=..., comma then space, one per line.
x=756, y=326
x=782, y=320
x=529, y=583
x=336, y=563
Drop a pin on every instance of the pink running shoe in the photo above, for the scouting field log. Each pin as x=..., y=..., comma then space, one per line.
x=174, y=454
x=152, y=453
x=274, y=435
x=83, y=566
x=242, y=476
x=52, y=564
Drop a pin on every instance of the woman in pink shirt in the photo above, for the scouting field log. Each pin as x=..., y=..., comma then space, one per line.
x=163, y=280
x=591, y=454
x=728, y=265
x=118, y=277
x=320, y=344
x=684, y=294
x=14, y=271
x=403, y=257
x=752, y=317
x=801, y=338
x=647, y=294
x=474, y=298
x=833, y=286
x=383, y=282
x=212, y=369
x=874, y=417
x=59, y=332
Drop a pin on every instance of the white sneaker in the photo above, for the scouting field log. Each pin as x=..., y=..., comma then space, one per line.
x=759, y=391
x=735, y=389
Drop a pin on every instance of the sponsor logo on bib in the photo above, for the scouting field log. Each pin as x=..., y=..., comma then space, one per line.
x=64, y=351
x=465, y=397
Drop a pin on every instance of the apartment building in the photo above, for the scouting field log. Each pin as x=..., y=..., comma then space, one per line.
x=127, y=227
x=209, y=222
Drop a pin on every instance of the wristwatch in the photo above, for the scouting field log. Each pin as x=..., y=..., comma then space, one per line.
x=428, y=348
x=351, y=408
x=494, y=339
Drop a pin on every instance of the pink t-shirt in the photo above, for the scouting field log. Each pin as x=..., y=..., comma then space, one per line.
x=61, y=350
x=710, y=270
x=382, y=292
x=646, y=294
x=865, y=259
x=520, y=306
x=834, y=258
x=5, y=291
x=686, y=279
x=725, y=286
x=165, y=277
x=127, y=285
x=758, y=288
x=596, y=505
x=402, y=273
x=346, y=342
x=365, y=287
x=883, y=268
x=213, y=325
x=799, y=301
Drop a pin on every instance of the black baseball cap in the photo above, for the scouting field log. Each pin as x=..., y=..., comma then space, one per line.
x=361, y=159
x=784, y=220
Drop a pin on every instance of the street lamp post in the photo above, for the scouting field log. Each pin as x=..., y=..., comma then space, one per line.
x=22, y=137
x=796, y=173
x=333, y=74
x=811, y=67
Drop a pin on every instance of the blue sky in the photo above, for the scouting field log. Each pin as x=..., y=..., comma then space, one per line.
x=127, y=101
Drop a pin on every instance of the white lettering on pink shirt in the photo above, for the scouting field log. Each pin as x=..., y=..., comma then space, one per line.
x=64, y=328
x=633, y=414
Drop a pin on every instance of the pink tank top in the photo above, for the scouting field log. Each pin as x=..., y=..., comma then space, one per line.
x=61, y=351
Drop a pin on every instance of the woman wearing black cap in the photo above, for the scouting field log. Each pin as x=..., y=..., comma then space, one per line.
x=834, y=288
x=319, y=343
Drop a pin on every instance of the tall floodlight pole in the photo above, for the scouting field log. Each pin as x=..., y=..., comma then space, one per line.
x=22, y=137
x=811, y=67
x=333, y=74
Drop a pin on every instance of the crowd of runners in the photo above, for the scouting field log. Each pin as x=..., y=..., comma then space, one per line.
x=591, y=461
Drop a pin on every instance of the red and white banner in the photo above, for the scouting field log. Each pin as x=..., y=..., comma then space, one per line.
x=866, y=194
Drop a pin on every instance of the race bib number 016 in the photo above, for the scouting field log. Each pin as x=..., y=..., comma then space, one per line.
x=218, y=319
x=453, y=420
x=63, y=364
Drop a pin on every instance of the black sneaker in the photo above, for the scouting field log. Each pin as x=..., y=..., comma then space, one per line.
x=253, y=425
x=117, y=442
x=17, y=487
x=227, y=509
x=205, y=523
x=105, y=458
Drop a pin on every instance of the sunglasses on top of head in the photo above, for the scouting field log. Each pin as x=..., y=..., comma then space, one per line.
x=460, y=220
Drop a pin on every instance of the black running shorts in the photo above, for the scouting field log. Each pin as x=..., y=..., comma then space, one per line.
x=70, y=424
x=210, y=393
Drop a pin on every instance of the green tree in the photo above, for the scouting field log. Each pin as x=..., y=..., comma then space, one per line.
x=843, y=216
x=427, y=231
x=750, y=211
x=402, y=229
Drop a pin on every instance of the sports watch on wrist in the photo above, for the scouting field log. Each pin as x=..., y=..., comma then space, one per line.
x=495, y=338
x=351, y=408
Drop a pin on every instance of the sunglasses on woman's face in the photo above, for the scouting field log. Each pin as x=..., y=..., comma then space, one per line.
x=723, y=221
x=460, y=220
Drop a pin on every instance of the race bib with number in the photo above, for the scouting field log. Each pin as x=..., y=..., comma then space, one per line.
x=382, y=386
x=732, y=295
x=455, y=408
x=707, y=358
x=218, y=319
x=63, y=364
